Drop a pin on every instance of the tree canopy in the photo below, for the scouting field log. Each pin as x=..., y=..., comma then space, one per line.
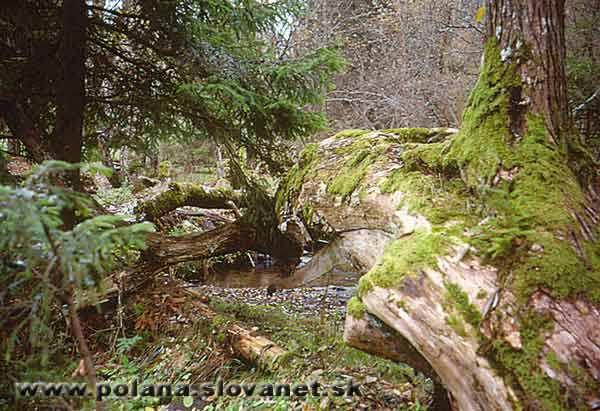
x=152, y=69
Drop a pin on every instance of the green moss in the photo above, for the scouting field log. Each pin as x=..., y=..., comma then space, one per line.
x=437, y=199
x=404, y=256
x=164, y=169
x=180, y=194
x=483, y=141
x=457, y=324
x=521, y=366
x=535, y=206
x=289, y=187
x=307, y=212
x=356, y=308
x=401, y=304
x=411, y=135
x=351, y=133
x=558, y=269
x=350, y=176
x=220, y=321
x=460, y=299
x=545, y=188
x=427, y=157
x=552, y=360
x=166, y=200
x=359, y=156
x=583, y=380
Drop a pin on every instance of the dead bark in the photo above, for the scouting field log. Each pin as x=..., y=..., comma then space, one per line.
x=164, y=251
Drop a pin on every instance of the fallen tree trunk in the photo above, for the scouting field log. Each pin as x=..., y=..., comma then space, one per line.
x=252, y=348
x=187, y=194
x=164, y=251
x=492, y=272
x=244, y=344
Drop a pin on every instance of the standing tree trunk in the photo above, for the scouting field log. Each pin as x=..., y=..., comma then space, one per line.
x=70, y=98
x=531, y=33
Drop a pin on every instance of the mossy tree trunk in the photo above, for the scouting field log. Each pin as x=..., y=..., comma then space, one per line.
x=188, y=194
x=531, y=35
x=492, y=265
x=505, y=308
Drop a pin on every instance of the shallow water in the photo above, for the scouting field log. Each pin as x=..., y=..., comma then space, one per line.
x=263, y=277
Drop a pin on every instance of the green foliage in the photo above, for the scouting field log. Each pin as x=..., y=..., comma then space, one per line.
x=164, y=169
x=124, y=344
x=182, y=70
x=43, y=258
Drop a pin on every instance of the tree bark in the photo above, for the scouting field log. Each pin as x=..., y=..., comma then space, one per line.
x=24, y=129
x=373, y=336
x=186, y=194
x=164, y=251
x=67, y=138
x=538, y=25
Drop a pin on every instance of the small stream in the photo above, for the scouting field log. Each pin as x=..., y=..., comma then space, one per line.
x=263, y=277
x=265, y=285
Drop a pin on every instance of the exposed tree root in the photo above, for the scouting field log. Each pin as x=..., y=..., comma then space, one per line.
x=373, y=336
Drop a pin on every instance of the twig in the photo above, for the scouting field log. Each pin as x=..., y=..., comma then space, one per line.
x=82, y=344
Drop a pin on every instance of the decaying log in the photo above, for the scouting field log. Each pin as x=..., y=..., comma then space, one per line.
x=226, y=239
x=147, y=181
x=164, y=251
x=351, y=252
x=253, y=349
x=186, y=194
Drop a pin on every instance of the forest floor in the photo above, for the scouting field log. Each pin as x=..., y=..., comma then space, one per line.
x=164, y=339
x=158, y=335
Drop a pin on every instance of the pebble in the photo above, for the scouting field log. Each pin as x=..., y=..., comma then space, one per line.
x=311, y=301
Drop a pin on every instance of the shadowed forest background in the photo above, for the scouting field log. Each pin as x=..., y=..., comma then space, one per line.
x=401, y=194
